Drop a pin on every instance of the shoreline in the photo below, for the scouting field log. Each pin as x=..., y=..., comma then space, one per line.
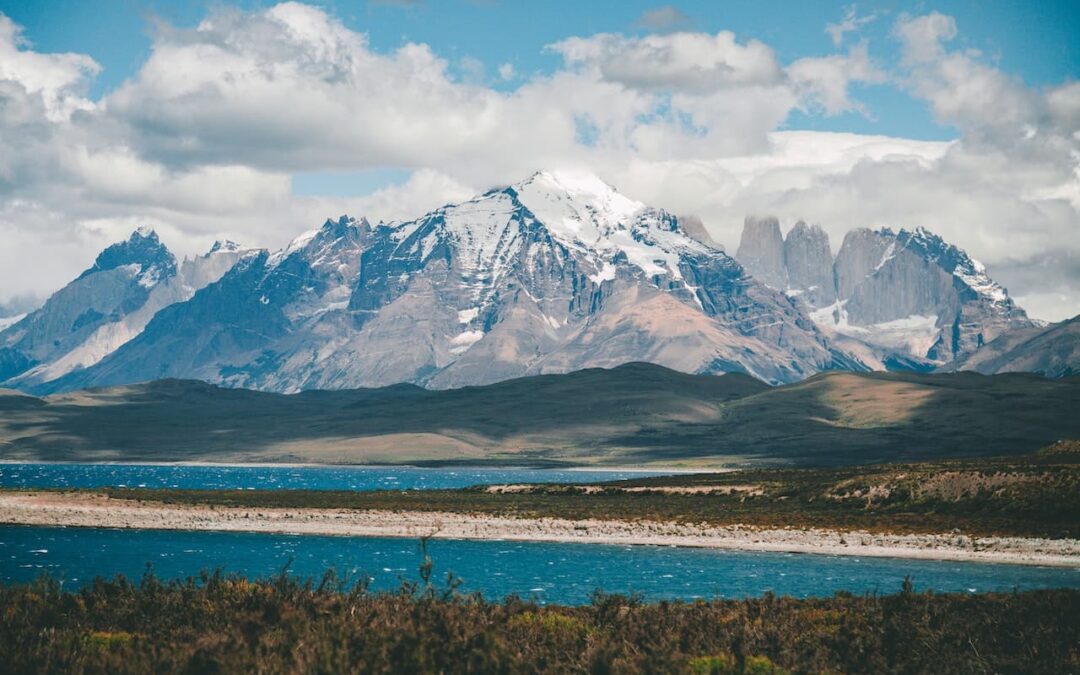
x=631, y=468
x=95, y=510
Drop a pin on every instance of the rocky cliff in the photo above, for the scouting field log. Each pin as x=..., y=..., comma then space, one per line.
x=906, y=295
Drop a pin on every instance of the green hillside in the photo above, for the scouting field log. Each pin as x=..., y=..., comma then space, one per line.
x=633, y=414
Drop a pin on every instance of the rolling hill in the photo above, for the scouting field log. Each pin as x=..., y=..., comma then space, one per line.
x=633, y=414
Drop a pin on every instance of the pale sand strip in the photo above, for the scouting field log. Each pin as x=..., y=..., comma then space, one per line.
x=88, y=510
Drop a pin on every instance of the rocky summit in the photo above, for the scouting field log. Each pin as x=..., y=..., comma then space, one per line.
x=106, y=306
x=898, y=299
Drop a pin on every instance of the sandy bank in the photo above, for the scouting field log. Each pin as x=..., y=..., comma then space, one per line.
x=88, y=510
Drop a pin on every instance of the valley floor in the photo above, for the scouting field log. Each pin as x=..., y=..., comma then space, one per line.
x=92, y=509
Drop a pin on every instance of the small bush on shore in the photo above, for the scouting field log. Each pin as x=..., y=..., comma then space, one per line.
x=227, y=624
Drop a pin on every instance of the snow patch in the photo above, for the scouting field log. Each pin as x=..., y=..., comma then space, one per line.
x=606, y=273
x=914, y=334
x=975, y=276
x=461, y=342
x=467, y=315
x=295, y=245
x=889, y=254
x=8, y=321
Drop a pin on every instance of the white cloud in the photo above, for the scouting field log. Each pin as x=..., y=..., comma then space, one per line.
x=424, y=191
x=922, y=37
x=697, y=63
x=59, y=79
x=851, y=23
x=825, y=80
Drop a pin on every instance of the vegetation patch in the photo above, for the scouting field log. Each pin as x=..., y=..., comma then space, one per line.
x=1026, y=497
x=218, y=623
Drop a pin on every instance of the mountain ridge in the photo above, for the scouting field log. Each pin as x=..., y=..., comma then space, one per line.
x=557, y=273
x=909, y=295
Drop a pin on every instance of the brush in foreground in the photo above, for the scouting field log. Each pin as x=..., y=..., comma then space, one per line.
x=230, y=624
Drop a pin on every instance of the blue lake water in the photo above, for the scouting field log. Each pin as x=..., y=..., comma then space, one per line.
x=561, y=573
x=222, y=477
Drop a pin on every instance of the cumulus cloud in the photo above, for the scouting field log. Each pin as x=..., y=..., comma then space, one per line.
x=824, y=81
x=59, y=79
x=202, y=140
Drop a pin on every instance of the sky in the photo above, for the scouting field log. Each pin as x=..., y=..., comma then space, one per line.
x=255, y=121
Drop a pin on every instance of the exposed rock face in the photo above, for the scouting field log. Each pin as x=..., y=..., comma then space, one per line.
x=557, y=273
x=695, y=229
x=1052, y=350
x=920, y=279
x=860, y=255
x=106, y=306
x=915, y=300
x=808, y=260
x=761, y=251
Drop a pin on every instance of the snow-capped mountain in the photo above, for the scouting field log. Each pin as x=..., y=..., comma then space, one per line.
x=105, y=307
x=920, y=300
x=553, y=274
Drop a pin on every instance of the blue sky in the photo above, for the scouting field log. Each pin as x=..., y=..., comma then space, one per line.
x=1037, y=41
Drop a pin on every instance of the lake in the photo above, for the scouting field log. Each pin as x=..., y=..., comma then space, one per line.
x=548, y=572
x=226, y=477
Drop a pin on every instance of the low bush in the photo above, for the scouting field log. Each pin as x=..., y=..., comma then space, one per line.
x=228, y=624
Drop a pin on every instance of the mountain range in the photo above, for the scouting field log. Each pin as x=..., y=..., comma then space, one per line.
x=919, y=300
x=557, y=273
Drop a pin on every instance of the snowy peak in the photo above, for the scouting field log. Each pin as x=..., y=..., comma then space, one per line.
x=955, y=261
x=224, y=246
x=581, y=209
x=589, y=218
x=106, y=307
x=327, y=243
x=149, y=260
x=587, y=214
x=576, y=205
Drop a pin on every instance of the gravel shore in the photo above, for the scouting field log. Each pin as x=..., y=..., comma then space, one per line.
x=91, y=510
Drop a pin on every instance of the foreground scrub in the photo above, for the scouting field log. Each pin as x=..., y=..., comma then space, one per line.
x=231, y=624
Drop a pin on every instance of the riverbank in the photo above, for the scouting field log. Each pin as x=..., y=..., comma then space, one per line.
x=60, y=509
